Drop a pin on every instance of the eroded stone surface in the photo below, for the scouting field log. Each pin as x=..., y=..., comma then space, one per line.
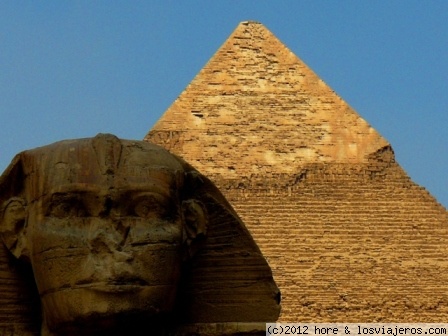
x=348, y=235
x=124, y=238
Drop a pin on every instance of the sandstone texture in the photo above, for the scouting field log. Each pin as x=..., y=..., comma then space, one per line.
x=348, y=235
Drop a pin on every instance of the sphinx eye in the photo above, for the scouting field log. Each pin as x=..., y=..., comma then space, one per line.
x=147, y=207
x=66, y=207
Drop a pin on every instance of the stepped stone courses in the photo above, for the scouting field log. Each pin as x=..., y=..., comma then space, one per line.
x=349, y=237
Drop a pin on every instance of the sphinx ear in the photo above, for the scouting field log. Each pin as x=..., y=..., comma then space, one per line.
x=13, y=208
x=12, y=226
x=195, y=225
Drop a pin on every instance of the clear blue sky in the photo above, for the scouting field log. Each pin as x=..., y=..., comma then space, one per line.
x=71, y=69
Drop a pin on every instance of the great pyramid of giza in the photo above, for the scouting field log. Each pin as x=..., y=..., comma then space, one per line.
x=349, y=236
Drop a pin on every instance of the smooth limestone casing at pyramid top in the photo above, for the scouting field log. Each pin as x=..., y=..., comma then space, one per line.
x=349, y=237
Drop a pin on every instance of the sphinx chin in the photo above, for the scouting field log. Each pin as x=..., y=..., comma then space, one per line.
x=100, y=305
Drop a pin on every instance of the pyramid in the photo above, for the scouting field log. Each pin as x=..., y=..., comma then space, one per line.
x=348, y=235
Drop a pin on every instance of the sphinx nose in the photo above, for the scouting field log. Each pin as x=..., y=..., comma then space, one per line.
x=108, y=253
x=109, y=237
x=121, y=256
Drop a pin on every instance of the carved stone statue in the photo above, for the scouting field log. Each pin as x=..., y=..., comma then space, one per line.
x=125, y=238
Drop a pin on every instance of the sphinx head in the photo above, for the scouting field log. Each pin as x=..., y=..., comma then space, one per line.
x=106, y=225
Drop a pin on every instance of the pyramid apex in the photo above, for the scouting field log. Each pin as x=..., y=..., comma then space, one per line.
x=249, y=22
x=249, y=26
x=257, y=96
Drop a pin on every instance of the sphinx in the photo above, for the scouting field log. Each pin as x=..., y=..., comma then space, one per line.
x=119, y=237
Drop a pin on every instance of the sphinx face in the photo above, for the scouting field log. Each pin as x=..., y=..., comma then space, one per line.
x=101, y=252
x=104, y=246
